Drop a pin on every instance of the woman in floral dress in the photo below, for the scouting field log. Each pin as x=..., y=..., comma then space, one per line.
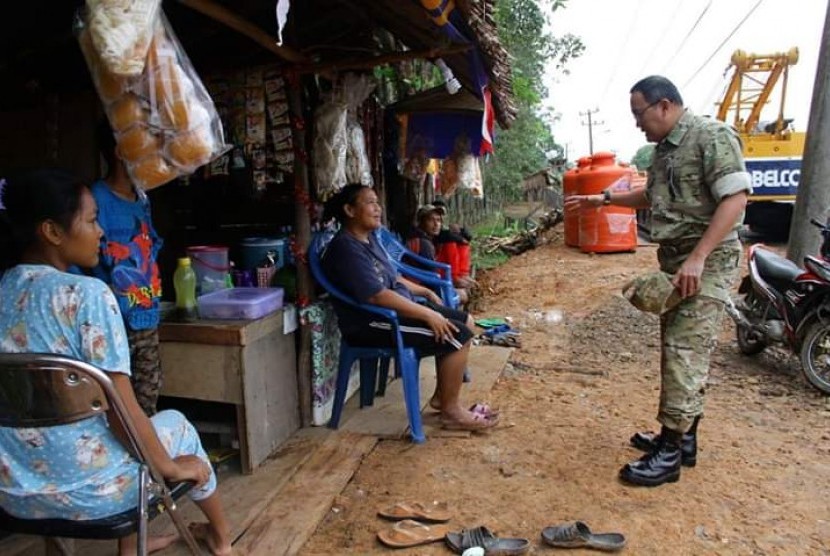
x=79, y=471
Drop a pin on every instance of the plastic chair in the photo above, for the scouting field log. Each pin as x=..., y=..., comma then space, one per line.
x=439, y=277
x=406, y=359
x=43, y=390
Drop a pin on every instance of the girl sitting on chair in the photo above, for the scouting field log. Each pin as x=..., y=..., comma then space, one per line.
x=82, y=470
x=357, y=265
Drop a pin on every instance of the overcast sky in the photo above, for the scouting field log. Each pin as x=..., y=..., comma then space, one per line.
x=629, y=39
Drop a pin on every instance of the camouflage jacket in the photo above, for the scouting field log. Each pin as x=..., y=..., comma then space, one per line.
x=694, y=167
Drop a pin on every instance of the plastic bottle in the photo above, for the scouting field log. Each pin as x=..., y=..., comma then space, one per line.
x=184, y=282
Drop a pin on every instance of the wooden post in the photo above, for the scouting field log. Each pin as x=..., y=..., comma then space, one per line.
x=302, y=227
x=813, y=196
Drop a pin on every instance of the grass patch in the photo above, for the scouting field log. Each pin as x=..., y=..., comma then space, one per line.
x=494, y=225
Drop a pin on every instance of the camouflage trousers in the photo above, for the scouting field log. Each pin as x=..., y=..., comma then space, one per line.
x=145, y=366
x=689, y=332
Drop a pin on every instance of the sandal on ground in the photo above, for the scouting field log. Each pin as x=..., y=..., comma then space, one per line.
x=578, y=535
x=484, y=409
x=478, y=422
x=407, y=533
x=481, y=536
x=437, y=512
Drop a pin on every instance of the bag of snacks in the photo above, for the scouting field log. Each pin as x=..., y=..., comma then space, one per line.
x=164, y=121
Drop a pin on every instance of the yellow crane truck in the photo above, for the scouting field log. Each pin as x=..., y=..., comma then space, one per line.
x=772, y=149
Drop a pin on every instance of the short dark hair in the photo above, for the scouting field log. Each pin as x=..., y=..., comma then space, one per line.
x=106, y=144
x=346, y=196
x=655, y=88
x=30, y=198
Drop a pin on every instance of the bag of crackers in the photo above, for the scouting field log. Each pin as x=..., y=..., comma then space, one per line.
x=164, y=121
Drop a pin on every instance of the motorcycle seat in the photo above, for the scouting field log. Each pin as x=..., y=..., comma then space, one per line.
x=775, y=268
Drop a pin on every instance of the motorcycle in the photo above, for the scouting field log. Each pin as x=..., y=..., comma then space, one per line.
x=780, y=302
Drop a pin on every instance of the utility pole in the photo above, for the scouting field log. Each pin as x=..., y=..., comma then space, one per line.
x=590, y=125
x=813, y=196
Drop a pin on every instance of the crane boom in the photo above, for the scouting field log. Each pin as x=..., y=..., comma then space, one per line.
x=753, y=80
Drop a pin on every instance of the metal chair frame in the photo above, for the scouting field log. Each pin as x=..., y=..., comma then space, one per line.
x=39, y=390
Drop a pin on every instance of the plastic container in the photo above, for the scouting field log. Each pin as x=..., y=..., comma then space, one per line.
x=254, y=249
x=210, y=263
x=240, y=303
x=570, y=186
x=184, y=282
x=606, y=229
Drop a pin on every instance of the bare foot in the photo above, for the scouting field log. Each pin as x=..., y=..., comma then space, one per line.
x=127, y=546
x=161, y=542
x=205, y=533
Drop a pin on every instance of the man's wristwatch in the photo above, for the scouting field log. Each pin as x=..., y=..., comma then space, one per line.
x=606, y=197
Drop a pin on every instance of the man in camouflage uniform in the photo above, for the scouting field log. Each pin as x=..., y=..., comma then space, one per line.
x=697, y=191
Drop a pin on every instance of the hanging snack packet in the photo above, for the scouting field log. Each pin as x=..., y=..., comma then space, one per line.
x=164, y=121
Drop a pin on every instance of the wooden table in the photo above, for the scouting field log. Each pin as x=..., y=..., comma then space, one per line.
x=250, y=364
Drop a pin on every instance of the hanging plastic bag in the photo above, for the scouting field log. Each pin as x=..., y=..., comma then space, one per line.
x=356, y=89
x=121, y=32
x=330, y=146
x=164, y=121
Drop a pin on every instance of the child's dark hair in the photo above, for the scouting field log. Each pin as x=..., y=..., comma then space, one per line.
x=30, y=198
x=346, y=196
x=106, y=144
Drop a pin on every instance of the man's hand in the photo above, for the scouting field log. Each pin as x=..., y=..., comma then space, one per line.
x=433, y=297
x=687, y=279
x=575, y=202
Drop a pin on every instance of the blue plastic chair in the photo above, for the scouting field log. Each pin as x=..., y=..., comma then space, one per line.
x=397, y=251
x=406, y=359
x=438, y=277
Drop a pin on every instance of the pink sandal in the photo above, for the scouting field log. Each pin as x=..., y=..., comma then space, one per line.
x=484, y=409
x=478, y=423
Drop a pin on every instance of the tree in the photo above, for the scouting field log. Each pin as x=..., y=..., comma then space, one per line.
x=643, y=157
x=523, y=149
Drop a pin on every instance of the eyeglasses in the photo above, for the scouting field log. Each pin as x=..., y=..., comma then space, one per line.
x=639, y=113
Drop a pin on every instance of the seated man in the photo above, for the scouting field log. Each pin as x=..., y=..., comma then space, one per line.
x=81, y=470
x=357, y=265
x=430, y=241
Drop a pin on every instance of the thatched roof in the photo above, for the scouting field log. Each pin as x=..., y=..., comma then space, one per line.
x=38, y=54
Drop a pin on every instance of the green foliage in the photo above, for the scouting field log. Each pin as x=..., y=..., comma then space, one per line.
x=494, y=225
x=643, y=157
x=523, y=149
x=520, y=151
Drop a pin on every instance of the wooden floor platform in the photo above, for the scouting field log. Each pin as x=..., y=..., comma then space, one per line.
x=275, y=510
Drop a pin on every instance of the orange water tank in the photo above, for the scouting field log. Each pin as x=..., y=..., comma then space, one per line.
x=606, y=229
x=570, y=186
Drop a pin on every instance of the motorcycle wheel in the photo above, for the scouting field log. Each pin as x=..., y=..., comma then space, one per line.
x=815, y=356
x=749, y=342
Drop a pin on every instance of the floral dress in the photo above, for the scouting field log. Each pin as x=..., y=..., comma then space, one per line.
x=80, y=470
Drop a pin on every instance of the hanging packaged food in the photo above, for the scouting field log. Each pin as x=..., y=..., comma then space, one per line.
x=164, y=121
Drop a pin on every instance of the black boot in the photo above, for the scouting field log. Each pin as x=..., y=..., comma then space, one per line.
x=660, y=466
x=648, y=441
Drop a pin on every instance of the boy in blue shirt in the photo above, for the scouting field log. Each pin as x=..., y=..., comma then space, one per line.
x=127, y=263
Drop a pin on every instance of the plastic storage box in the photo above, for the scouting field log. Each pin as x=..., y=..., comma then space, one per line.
x=240, y=303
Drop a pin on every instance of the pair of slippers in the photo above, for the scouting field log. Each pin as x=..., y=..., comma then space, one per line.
x=416, y=524
x=567, y=535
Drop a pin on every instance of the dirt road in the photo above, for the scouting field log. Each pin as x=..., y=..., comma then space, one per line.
x=583, y=381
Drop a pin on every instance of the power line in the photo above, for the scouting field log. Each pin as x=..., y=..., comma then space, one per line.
x=659, y=41
x=591, y=125
x=723, y=42
x=620, y=54
x=689, y=34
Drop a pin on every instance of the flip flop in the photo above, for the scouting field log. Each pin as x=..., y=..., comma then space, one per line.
x=437, y=512
x=481, y=536
x=578, y=535
x=479, y=422
x=484, y=409
x=407, y=533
